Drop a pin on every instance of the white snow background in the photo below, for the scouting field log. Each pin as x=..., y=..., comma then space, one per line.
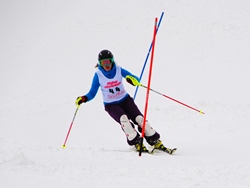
x=48, y=50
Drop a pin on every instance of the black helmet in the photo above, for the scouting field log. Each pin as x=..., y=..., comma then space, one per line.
x=105, y=54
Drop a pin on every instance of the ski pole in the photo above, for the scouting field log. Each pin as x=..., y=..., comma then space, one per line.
x=64, y=145
x=173, y=99
x=136, y=90
x=149, y=81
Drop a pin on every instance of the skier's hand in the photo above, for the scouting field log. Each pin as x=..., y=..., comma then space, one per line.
x=81, y=100
x=132, y=80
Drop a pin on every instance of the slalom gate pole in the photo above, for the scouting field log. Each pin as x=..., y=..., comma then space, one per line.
x=64, y=145
x=149, y=81
x=136, y=90
x=172, y=99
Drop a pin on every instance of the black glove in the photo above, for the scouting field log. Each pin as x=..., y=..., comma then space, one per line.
x=81, y=100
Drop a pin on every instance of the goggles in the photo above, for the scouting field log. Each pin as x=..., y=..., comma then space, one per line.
x=106, y=62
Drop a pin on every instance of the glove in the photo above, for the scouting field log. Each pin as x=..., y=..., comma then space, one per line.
x=132, y=80
x=81, y=100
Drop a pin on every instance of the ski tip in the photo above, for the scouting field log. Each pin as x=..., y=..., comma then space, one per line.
x=63, y=146
x=173, y=150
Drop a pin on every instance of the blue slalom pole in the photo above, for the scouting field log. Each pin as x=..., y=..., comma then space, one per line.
x=159, y=23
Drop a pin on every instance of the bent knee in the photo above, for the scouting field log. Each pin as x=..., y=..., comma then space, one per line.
x=124, y=119
x=139, y=119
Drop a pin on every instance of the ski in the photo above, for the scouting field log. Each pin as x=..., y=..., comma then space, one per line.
x=167, y=150
x=147, y=151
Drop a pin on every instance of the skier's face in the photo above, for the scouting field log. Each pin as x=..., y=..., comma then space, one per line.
x=106, y=64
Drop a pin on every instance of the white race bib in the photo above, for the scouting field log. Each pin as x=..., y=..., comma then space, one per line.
x=112, y=89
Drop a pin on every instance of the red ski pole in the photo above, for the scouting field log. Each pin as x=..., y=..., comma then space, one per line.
x=149, y=81
x=64, y=145
x=172, y=99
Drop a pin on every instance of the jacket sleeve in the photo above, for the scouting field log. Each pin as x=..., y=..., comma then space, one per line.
x=94, y=88
x=126, y=73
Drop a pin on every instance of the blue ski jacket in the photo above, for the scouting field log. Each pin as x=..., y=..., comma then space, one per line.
x=108, y=74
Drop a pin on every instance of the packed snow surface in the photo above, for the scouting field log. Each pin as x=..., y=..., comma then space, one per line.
x=48, y=50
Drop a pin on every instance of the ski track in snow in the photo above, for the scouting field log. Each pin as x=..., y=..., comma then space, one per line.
x=108, y=167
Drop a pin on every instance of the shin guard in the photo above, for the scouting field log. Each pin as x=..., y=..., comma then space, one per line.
x=130, y=132
x=149, y=131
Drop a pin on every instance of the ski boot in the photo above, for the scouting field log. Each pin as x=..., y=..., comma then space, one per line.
x=159, y=145
x=138, y=146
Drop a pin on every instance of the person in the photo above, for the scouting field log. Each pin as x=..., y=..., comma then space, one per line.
x=119, y=104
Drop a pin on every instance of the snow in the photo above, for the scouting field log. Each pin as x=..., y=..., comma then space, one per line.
x=48, y=50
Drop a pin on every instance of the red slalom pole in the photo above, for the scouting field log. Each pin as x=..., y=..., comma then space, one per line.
x=149, y=81
x=64, y=145
x=172, y=99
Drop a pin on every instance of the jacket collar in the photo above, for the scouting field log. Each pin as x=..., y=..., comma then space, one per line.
x=108, y=74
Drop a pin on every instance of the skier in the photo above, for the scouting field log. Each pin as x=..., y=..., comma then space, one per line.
x=118, y=103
